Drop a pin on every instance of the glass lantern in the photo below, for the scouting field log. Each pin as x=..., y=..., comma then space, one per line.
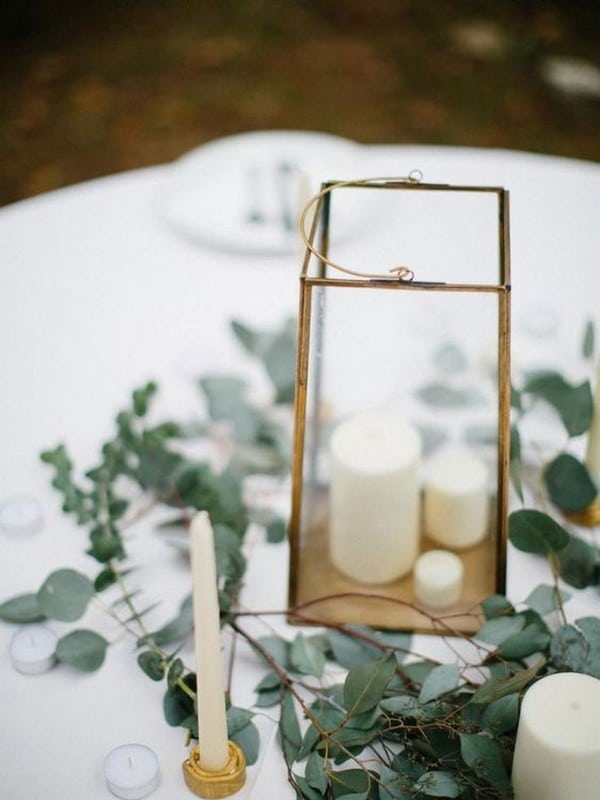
x=401, y=444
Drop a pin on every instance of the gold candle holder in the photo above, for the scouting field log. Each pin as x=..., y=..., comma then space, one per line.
x=588, y=517
x=215, y=783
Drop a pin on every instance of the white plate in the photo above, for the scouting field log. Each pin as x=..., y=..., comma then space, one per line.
x=243, y=193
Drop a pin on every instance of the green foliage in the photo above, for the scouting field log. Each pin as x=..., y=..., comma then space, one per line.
x=21, y=609
x=277, y=351
x=569, y=484
x=366, y=683
x=83, y=649
x=574, y=404
x=441, y=680
x=65, y=595
x=535, y=532
x=589, y=340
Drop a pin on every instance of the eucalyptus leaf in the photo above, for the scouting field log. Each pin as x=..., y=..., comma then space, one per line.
x=438, y=783
x=276, y=531
x=245, y=736
x=440, y=680
x=365, y=684
x=153, y=664
x=545, y=599
x=442, y=396
x=501, y=716
x=179, y=707
x=350, y=783
x=535, y=532
x=65, y=595
x=179, y=628
x=588, y=341
x=578, y=563
x=515, y=461
x=495, y=688
x=574, y=404
x=569, y=484
x=497, y=606
x=314, y=772
x=304, y=791
x=290, y=737
x=277, y=647
x=524, y=643
x=305, y=657
x=483, y=755
x=21, y=609
x=83, y=649
x=496, y=630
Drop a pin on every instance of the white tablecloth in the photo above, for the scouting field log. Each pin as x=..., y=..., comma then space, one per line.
x=99, y=294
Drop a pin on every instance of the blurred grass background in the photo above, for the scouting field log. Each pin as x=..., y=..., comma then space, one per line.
x=88, y=89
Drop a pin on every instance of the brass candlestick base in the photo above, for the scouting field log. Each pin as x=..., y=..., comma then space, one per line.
x=220, y=783
x=587, y=517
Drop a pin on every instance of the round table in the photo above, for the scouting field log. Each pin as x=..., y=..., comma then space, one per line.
x=100, y=294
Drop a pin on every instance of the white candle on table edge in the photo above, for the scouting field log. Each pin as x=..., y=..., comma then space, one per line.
x=557, y=750
x=592, y=455
x=210, y=694
x=438, y=577
x=374, y=497
x=33, y=649
x=21, y=515
x=132, y=771
x=456, y=512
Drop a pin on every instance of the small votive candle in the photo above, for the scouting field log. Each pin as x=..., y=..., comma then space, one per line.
x=21, y=515
x=557, y=751
x=438, y=579
x=32, y=649
x=132, y=771
x=456, y=502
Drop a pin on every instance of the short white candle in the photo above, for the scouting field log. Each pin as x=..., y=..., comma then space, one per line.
x=32, y=649
x=210, y=695
x=21, y=515
x=557, y=751
x=374, y=500
x=132, y=771
x=456, y=502
x=592, y=455
x=438, y=577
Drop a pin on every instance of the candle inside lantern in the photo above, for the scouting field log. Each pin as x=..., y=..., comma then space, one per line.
x=132, y=771
x=557, y=750
x=32, y=649
x=456, y=503
x=374, y=500
x=210, y=696
x=592, y=455
x=438, y=577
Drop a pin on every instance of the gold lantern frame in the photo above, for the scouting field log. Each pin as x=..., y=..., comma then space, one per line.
x=382, y=607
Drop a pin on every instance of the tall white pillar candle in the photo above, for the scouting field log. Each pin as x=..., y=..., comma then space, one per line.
x=438, y=577
x=456, y=502
x=592, y=455
x=210, y=695
x=557, y=751
x=374, y=500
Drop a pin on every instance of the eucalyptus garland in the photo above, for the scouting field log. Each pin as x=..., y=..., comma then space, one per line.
x=399, y=725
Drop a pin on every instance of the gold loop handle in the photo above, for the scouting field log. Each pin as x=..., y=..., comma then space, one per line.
x=400, y=273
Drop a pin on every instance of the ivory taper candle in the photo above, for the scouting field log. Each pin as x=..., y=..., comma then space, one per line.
x=210, y=695
x=592, y=455
x=374, y=513
x=456, y=503
x=557, y=750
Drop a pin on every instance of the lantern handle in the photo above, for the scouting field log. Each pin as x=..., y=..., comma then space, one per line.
x=400, y=273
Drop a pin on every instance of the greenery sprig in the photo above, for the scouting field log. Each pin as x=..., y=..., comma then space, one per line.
x=399, y=725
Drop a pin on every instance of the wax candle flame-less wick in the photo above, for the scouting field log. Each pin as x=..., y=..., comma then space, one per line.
x=130, y=761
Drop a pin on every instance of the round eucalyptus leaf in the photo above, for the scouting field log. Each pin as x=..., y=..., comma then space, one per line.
x=569, y=484
x=535, y=532
x=65, y=595
x=153, y=664
x=21, y=609
x=82, y=649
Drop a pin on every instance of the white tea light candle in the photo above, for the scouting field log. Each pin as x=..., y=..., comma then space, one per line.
x=132, y=771
x=592, y=455
x=32, y=649
x=438, y=577
x=21, y=515
x=456, y=502
x=210, y=695
x=557, y=751
x=374, y=500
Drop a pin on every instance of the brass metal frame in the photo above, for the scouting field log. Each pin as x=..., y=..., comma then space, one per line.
x=502, y=289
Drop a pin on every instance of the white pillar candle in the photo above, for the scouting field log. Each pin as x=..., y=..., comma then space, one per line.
x=592, y=455
x=438, y=577
x=374, y=502
x=557, y=751
x=32, y=649
x=21, y=515
x=210, y=695
x=132, y=771
x=456, y=503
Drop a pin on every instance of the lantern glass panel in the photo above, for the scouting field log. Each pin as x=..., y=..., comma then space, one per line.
x=401, y=428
